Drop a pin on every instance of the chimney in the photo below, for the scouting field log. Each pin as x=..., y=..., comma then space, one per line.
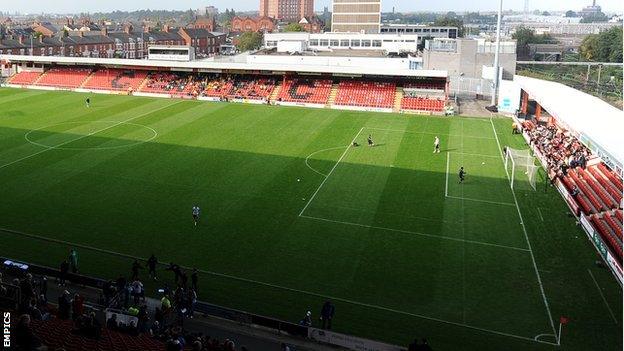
x=21, y=39
x=105, y=31
x=166, y=28
x=128, y=29
x=41, y=39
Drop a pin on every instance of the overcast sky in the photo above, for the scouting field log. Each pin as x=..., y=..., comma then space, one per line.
x=76, y=6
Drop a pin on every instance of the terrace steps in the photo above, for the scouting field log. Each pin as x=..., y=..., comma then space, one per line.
x=43, y=74
x=275, y=93
x=332, y=95
x=397, y=99
x=84, y=82
x=143, y=83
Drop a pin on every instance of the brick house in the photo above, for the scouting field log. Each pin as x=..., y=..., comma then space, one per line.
x=204, y=41
x=253, y=24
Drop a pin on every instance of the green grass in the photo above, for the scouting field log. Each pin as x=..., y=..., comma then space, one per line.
x=291, y=216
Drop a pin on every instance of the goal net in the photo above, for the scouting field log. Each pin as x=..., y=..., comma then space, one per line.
x=521, y=168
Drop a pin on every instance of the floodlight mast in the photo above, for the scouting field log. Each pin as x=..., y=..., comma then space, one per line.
x=496, y=54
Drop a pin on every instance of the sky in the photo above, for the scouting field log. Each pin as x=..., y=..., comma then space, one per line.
x=77, y=6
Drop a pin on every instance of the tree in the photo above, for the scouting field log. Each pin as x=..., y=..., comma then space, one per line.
x=603, y=47
x=249, y=41
x=294, y=27
x=545, y=13
x=570, y=13
x=451, y=22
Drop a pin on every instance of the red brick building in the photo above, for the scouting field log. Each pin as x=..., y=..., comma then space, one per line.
x=312, y=24
x=253, y=24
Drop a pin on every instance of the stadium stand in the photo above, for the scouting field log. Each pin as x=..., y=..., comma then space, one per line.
x=64, y=77
x=172, y=83
x=366, y=94
x=422, y=104
x=251, y=88
x=313, y=91
x=595, y=188
x=424, y=96
x=115, y=79
x=25, y=78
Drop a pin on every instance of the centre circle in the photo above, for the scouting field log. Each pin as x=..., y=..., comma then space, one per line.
x=95, y=128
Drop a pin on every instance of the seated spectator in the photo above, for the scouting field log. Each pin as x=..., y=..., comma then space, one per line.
x=25, y=339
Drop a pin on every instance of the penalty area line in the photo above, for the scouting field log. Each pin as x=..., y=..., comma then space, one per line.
x=246, y=280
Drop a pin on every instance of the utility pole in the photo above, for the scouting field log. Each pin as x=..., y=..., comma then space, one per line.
x=496, y=54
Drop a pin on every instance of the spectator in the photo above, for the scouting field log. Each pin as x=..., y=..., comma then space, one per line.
x=64, y=305
x=73, y=260
x=327, y=314
x=77, y=306
x=43, y=286
x=135, y=269
x=165, y=304
x=152, y=261
x=111, y=323
x=191, y=300
x=138, y=291
x=194, y=278
x=25, y=339
x=63, y=272
x=284, y=347
x=307, y=319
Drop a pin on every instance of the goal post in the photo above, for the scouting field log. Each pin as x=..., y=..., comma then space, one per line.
x=521, y=168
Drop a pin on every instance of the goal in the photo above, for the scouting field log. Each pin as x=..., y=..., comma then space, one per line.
x=521, y=168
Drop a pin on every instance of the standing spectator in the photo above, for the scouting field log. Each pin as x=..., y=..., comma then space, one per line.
x=135, y=269
x=194, y=278
x=64, y=305
x=138, y=291
x=73, y=260
x=63, y=272
x=152, y=261
x=77, y=306
x=176, y=271
x=192, y=300
x=327, y=314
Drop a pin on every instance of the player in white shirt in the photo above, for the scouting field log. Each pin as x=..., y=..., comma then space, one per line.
x=196, y=212
x=436, y=145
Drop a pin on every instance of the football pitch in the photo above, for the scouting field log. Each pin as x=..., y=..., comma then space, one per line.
x=293, y=214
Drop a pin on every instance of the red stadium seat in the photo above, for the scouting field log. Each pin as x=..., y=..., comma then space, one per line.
x=313, y=91
x=366, y=94
x=64, y=77
x=25, y=78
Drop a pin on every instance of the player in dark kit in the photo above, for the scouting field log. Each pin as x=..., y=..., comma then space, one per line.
x=462, y=174
x=196, y=212
x=370, y=141
x=88, y=102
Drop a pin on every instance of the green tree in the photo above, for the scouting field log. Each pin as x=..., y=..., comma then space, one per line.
x=451, y=22
x=249, y=41
x=293, y=27
x=603, y=47
x=570, y=13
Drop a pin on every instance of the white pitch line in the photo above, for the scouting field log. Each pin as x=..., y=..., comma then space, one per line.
x=448, y=161
x=246, y=280
x=603, y=298
x=316, y=152
x=526, y=236
x=83, y=136
x=471, y=154
x=330, y=172
x=479, y=200
x=430, y=133
x=540, y=214
x=414, y=233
